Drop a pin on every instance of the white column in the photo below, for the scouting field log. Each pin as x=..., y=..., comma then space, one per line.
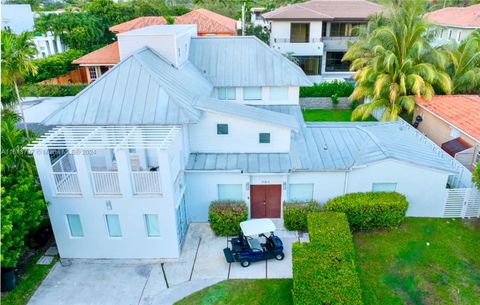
x=84, y=173
x=59, y=45
x=51, y=47
x=44, y=169
x=124, y=172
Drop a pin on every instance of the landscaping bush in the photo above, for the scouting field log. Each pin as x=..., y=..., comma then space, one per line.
x=324, y=270
x=54, y=65
x=370, y=210
x=225, y=216
x=327, y=89
x=295, y=214
x=51, y=90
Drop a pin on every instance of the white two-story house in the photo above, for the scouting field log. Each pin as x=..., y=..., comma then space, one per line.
x=316, y=33
x=182, y=121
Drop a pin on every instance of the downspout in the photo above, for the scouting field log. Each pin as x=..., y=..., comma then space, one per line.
x=345, y=184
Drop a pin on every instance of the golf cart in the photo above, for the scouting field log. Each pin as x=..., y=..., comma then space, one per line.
x=247, y=249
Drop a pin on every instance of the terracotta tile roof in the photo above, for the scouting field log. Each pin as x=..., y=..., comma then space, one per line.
x=108, y=55
x=461, y=111
x=137, y=23
x=468, y=17
x=209, y=22
x=326, y=10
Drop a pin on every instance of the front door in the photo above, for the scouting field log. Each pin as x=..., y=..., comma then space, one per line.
x=265, y=201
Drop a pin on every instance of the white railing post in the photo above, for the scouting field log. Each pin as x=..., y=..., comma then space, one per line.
x=124, y=172
x=83, y=171
x=44, y=168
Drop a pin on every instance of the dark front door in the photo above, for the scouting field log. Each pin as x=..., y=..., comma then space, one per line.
x=265, y=201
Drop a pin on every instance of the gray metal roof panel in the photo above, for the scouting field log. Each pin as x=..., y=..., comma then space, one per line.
x=245, y=162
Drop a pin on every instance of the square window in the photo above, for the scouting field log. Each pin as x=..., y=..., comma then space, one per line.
x=75, y=225
x=113, y=225
x=384, y=187
x=230, y=192
x=252, y=93
x=222, y=129
x=152, y=224
x=300, y=192
x=226, y=93
x=264, y=138
x=279, y=93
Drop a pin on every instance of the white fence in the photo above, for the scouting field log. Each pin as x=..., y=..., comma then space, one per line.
x=462, y=202
x=66, y=183
x=64, y=164
x=106, y=182
x=146, y=182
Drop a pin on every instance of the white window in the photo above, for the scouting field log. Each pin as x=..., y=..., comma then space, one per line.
x=459, y=36
x=300, y=192
x=226, y=93
x=252, y=93
x=113, y=225
x=152, y=224
x=450, y=35
x=75, y=225
x=92, y=72
x=454, y=133
x=230, y=192
x=384, y=187
x=279, y=93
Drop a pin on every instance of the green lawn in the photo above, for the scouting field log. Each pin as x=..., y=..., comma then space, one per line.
x=425, y=261
x=329, y=115
x=27, y=283
x=240, y=292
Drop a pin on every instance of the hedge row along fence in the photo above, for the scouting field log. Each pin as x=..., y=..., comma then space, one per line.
x=324, y=269
x=328, y=89
x=225, y=216
x=370, y=210
x=295, y=214
x=50, y=90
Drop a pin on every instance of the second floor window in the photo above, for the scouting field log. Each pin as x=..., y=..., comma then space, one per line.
x=252, y=93
x=264, y=138
x=226, y=93
x=299, y=32
x=338, y=29
x=222, y=129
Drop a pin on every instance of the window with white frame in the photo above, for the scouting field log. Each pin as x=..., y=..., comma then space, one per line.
x=264, y=138
x=279, y=93
x=226, y=93
x=113, y=225
x=75, y=225
x=92, y=72
x=230, y=192
x=252, y=93
x=222, y=129
x=152, y=225
x=384, y=187
x=300, y=192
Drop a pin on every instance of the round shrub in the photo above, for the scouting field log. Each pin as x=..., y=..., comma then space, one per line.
x=225, y=216
x=295, y=214
x=370, y=210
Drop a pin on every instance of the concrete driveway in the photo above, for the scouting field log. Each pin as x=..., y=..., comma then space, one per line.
x=119, y=282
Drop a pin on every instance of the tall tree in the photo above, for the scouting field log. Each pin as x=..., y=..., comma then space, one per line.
x=17, y=56
x=396, y=61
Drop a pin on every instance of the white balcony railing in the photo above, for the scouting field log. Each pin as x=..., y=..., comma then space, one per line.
x=64, y=164
x=66, y=183
x=146, y=182
x=105, y=183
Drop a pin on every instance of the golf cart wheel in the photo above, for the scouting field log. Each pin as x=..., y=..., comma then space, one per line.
x=280, y=256
x=245, y=263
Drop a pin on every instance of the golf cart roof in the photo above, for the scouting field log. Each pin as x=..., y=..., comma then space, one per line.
x=257, y=226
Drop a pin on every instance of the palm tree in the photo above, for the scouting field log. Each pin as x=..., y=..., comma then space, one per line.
x=393, y=60
x=17, y=54
x=464, y=64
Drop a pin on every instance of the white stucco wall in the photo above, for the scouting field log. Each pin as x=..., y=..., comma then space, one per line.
x=451, y=35
x=242, y=135
x=267, y=99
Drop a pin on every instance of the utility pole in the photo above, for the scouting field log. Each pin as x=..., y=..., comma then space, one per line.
x=243, y=19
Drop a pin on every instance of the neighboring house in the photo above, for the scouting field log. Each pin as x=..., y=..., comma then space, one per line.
x=256, y=17
x=184, y=120
x=208, y=23
x=317, y=32
x=455, y=23
x=20, y=18
x=452, y=122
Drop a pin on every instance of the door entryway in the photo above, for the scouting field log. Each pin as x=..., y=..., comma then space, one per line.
x=265, y=201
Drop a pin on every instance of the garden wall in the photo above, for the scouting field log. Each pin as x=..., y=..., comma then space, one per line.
x=324, y=103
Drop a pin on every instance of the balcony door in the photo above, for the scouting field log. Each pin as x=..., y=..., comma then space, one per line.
x=299, y=32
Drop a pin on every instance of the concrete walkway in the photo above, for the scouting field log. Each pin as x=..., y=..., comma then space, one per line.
x=143, y=282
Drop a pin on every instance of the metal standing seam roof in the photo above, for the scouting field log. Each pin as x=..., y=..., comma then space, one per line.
x=240, y=61
x=143, y=89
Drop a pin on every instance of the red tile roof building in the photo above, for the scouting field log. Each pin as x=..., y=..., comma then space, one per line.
x=209, y=23
x=108, y=55
x=138, y=23
x=465, y=17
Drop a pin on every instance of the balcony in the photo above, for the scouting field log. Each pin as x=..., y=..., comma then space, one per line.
x=313, y=47
x=338, y=43
x=65, y=177
x=146, y=182
x=106, y=183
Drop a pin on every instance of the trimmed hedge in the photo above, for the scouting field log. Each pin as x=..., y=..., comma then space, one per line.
x=295, y=214
x=324, y=270
x=225, y=216
x=370, y=210
x=327, y=89
x=51, y=89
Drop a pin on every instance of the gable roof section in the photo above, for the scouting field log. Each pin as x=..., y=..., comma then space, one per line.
x=209, y=22
x=467, y=17
x=241, y=61
x=325, y=10
x=142, y=89
x=460, y=111
x=107, y=55
x=248, y=112
x=137, y=23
